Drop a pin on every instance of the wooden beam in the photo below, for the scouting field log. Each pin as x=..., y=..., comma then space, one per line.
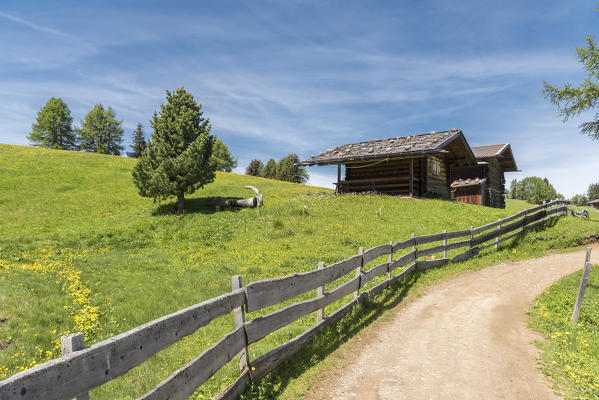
x=338, y=178
x=411, y=177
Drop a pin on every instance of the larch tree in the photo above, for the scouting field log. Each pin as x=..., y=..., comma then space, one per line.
x=101, y=132
x=178, y=159
x=574, y=100
x=139, y=142
x=53, y=127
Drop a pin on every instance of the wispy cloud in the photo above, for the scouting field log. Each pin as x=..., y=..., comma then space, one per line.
x=32, y=25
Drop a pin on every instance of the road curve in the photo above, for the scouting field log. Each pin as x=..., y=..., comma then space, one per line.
x=466, y=338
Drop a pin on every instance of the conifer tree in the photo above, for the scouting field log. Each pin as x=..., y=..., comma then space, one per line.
x=290, y=169
x=254, y=168
x=53, y=127
x=222, y=157
x=178, y=159
x=270, y=169
x=139, y=142
x=101, y=132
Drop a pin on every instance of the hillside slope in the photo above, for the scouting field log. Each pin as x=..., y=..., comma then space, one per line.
x=82, y=251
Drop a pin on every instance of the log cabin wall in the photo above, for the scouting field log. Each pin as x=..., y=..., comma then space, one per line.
x=436, y=177
x=496, y=184
x=392, y=177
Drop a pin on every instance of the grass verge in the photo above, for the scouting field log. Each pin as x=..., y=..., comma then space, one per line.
x=571, y=353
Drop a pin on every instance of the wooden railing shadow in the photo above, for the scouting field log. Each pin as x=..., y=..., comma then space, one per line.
x=366, y=312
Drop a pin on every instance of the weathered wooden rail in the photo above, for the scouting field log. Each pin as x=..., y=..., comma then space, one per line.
x=78, y=371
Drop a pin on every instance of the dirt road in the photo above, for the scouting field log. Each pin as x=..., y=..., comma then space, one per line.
x=465, y=338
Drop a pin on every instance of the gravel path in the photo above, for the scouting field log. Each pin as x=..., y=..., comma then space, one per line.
x=466, y=338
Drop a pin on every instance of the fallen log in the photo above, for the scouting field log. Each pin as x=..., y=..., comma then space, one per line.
x=250, y=203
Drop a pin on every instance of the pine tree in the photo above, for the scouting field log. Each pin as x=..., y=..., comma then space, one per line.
x=222, y=157
x=254, y=168
x=101, y=132
x=53, y=127
x=593, y=191
x=139, y=142
x=270, y=169
x=178, y=159
x=290, y=169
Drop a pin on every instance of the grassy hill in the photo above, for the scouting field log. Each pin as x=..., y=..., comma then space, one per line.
x=82, y=251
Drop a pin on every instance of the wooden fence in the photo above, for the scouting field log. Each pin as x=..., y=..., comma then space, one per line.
x=81, y=369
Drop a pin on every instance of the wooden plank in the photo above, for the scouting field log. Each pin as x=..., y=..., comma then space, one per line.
x=534, y=225
x=403, y=245
x=373, y=272
x=429, y=251
x=234, y=390
x=514, y=217
x=429, y=238
x=428, y=264
x=497, y=232
x=457, y=234
x=70, y=375
x=403, y=260
x=465, y=255
x=486, y=227
x=264, y=325
x=457, y=245
x=376, y=252
x=183, y=382
x=530, y=218
x=264, y=293
x=403, y=274
x=263, y=365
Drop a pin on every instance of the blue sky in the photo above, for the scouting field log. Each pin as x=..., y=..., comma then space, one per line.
x=278, y=77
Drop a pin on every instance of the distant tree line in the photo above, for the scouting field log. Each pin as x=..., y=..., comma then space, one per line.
x=288, y=168
x=100, y=132
x=591, y=194
x=533, y=189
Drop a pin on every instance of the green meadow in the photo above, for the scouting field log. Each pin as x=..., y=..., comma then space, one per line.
x=571, y=351
x=81, y=251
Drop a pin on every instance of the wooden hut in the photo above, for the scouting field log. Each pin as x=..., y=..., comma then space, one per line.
x=435, y=164
x=594, y=204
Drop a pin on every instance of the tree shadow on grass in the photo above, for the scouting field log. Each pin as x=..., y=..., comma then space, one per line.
x=362, y=315
x=197, y=205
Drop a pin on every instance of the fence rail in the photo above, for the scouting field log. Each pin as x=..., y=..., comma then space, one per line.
x=76, y=373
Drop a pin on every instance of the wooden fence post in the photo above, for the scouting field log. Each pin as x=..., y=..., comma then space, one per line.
x=320, y=293
x=413, y=243
x=70, y=344
x=389, y=260
x=497, y=238
x=584, y=282
x=359, y=271
x=239, y=315
x=445, y=244
x=471, y=235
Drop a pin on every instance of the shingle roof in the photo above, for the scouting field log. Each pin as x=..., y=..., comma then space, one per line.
x=593, y=201
x=501, y=152
x=492, y=150
x=426, y=143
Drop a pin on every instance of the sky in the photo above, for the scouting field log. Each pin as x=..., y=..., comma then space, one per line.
x=276, y=77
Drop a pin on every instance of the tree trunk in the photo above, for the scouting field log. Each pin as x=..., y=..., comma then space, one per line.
x=180, y=203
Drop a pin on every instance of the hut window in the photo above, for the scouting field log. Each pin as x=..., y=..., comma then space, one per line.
x=435, y=166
